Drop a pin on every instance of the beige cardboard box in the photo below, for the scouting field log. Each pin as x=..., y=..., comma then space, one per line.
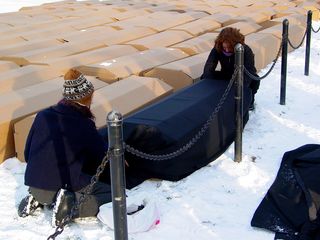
x=133, y=64
x=296, y=33
x=128, y=34
x=263, y=4
x=50, y=32
x=198, y=27
x=259, y=58
x=28, y=46
x=216, y=9
x=241, y=4
x=5, y=66
x=90, y=21
x=197, y=14
x=268, y=11
x=15, y=79
x=5, y=27
x=101, y=32
x=120, y=16
x=181, y=73
x=41, y=56
x=256, y=17
x=200, y=44
x=265, y=48
x=293, y=18
x=166, y=21
x=21, y=103
x=125, y=96
x=15, y=18
x=245, y=27
x=11, y=41
x=63, y=64
x=163, y=39
x=224, y=18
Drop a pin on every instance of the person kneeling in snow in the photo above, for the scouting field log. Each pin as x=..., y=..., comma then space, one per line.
x=223, y=53
x=64, y=145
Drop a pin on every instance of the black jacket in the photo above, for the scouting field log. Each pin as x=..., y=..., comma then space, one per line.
x=62, y=141
x=291, y=206
x=227, y=67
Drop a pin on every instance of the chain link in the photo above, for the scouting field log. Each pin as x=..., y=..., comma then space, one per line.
x=253, y=77
x=315, y=31
x=299, y=45
x=59, y=229
x=189, y=144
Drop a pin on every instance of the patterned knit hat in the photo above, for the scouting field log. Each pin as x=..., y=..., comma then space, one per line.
x=76, y=89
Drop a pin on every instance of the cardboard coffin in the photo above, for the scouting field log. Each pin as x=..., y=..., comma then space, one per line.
x=63, y=64
x=44, y=33
x=18, y=78
x=11, y=41
x=245, y=27
x=198, y=27
x=164, y=21
x=296, y=33
x=224, y=18
x=200, y=44
x=181, y=73
x=265, y=48
x=133, y=64
x=28, y=46
x=41, y=56
x=163, y=39
x=5, y=66
x=18, y=104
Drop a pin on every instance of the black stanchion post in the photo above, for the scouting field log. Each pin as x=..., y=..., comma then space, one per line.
x=285, y=28
x=239, y=50
x=308, y=43
x=115, y=137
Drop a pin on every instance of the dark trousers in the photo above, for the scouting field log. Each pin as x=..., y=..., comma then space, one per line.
x=100, y=194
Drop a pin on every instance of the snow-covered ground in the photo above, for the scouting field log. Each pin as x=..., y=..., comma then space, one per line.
x=216, y=202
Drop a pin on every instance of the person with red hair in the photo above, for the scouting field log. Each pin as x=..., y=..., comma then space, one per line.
x=223, y=53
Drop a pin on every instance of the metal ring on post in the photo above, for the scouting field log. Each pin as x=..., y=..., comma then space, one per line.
x=239, y=60
x=285, y=30
x=117, y=172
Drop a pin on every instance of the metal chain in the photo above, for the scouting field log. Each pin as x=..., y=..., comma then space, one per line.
x=315, y=31
x=299, y=45
x=83, y=197
x=253, y=77
x=189, y=144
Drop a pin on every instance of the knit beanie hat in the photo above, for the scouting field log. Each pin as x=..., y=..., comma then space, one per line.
x=76, y=86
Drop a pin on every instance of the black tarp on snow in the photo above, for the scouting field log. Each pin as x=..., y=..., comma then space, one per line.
x=170, y=123
x=291, y=204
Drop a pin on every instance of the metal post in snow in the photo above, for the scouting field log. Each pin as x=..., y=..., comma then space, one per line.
x=239, y=60
x=115, y=137
x=285, y=30
x=308, y=43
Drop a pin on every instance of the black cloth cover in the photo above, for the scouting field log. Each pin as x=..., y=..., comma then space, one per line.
x=291, y=205
x=170, y=123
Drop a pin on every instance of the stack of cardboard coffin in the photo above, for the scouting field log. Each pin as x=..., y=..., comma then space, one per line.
x=134, y=52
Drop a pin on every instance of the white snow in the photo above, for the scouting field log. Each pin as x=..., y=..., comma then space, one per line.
x=216, y=202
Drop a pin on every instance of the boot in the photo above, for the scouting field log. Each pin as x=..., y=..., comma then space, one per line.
x=63, y=206
x=28, y=206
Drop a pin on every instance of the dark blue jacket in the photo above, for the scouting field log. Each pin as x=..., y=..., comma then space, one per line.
x=61, y=141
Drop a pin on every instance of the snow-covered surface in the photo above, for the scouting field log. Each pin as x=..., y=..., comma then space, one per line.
x=216, y=202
